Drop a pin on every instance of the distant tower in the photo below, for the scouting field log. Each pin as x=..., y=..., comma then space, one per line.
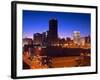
x=53, y=31
x=37, y=39
x=76, y=37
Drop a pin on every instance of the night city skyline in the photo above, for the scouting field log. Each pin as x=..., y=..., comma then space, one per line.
x=38, y=22
x=56, y=39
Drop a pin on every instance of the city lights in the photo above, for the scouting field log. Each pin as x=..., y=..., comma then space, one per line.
x=47, y=49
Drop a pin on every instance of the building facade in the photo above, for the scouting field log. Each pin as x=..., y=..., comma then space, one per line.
x=52, y=36
x=76, y=37
x=39, y=39
x=27, y=41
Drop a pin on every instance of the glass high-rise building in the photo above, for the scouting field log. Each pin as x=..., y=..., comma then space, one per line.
x=53, y=31
x=76, y=37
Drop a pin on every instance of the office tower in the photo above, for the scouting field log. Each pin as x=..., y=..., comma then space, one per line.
x=40, y=38
x=52, y=36
x=76, y=37
x=37, y=39
x=44, y=38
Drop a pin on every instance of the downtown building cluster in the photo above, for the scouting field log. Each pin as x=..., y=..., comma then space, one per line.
x=46, y=45
x=51, y=38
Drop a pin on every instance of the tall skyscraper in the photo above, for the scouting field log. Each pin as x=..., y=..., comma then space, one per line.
x=76, y=37
x=44, y=38
x=53, y=31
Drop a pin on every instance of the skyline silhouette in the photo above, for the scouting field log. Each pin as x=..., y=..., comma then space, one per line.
x=38, y=22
